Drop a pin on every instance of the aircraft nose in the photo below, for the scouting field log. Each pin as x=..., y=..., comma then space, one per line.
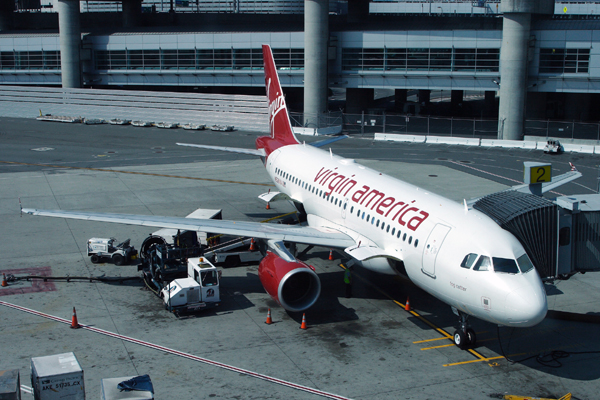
x=526, y=307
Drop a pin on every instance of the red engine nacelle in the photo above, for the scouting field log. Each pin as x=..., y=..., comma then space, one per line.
x=294, y=285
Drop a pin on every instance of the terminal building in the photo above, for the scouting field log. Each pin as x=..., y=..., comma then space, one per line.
x=528, y=58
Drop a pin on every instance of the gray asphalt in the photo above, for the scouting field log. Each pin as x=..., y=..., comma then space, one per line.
x=365, y=347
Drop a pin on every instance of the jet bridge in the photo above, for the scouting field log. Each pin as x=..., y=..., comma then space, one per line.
x=561, y=237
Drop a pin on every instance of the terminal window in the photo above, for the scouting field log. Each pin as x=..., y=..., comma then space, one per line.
x=564, y=61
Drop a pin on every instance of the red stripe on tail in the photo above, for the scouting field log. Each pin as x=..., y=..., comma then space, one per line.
x=279, y=120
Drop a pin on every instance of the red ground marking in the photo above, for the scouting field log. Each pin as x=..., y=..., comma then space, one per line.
x=33, y=286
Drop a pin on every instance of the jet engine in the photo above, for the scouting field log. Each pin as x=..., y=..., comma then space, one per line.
x=293, y=284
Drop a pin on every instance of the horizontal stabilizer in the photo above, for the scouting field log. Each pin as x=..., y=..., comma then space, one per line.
x=273, y=196
x=259, y=152
x=328, y=141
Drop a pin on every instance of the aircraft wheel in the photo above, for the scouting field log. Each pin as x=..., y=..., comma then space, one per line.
x=471, y=337
x=460, y=339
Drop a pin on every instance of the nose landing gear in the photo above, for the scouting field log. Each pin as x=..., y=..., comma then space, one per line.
x=464, y=336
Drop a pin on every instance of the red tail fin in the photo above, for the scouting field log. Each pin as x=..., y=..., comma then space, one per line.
x=279, y=119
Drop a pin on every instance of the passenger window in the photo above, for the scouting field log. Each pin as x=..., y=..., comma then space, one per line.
x=368, y=216
x=483, y=264
x=469, y=260
x=377, y=224
x=416, y=243
x=351, y=209
x=404, y=238
x=506, y=265
x=363, y=215
x=525, y=263
x=386, y=229
x=399, y=233
x=410, y=240
x=393, y=231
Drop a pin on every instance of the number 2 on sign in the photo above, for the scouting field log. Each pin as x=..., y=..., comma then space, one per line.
x=541, y=174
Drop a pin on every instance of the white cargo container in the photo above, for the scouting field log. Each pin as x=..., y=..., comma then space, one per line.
x=58, y=376
x=10, y=385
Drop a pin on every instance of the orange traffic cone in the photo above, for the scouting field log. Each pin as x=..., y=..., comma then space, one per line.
x=407, y=306
x=330, y=255
x=4, y=282
x=74, y=323
x=252, y=245
x=268, y=207
x=269, y=321
x=303, y=325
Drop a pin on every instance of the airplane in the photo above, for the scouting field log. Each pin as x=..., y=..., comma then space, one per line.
x=456, y=253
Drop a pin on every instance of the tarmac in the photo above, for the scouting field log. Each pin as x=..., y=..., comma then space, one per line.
x=364, y=347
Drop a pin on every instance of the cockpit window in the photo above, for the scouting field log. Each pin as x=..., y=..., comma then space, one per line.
x=506, y=265
x=483, y=264
x=525, y=263
x=469, y=260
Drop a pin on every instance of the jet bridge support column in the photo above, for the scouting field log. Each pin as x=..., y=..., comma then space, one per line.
x=70, y=42
x=7, y=8
x=132, y=13
x=516, y=25
x=316, y=35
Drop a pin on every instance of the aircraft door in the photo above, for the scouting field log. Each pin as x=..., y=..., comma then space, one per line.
x=344, y=208
x=432, y=248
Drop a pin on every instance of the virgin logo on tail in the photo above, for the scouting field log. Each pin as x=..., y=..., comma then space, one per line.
x=279, y=120
x=275, y=105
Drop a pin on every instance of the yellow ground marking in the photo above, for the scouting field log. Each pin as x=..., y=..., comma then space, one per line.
x=438, y=347
x=483, y=359
x=441, y=331
x=430, y=340
x=137, y=173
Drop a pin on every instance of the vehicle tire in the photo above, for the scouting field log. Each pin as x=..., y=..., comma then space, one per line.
x=95, y=259
x=460, y=339
x=471, y=337
x=118, y=259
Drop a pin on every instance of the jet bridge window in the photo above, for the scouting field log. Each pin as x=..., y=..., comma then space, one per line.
x=524, y=263
x=506, y=265
x=469, y=260
x=483, y=264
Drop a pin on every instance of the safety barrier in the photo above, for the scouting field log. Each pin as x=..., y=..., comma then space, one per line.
x=515, y=144
x=242, y=111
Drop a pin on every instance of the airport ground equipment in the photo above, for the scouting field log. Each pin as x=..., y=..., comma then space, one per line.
x=233, y=253
x=121, y=253
x=57, y=376
x=10, y=385
x=560, y=236
x=553, y=146
x=199, y=291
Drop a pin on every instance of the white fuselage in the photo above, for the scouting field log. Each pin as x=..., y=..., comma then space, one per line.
x=430, y=234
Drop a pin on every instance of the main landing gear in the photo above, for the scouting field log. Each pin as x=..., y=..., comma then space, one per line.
x=464, y=336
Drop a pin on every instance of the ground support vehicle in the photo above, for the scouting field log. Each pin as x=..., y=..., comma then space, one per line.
x=100, y=248
x=199, y=291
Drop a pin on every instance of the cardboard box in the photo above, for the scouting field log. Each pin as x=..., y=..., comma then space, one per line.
x=57, y=377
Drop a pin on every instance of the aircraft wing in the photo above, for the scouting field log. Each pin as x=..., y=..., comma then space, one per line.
x=259, y=152
x=329, y=141
x=290, y=233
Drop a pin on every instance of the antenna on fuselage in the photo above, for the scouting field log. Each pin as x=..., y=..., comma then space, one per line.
x=466, y=207
x=330, y=153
